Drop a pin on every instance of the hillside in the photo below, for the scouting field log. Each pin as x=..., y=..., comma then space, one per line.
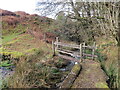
x=20, y=21
x=26, y=44
x=22, y=32
x=27, y=56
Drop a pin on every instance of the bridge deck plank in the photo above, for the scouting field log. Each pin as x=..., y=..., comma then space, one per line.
x=68, y=58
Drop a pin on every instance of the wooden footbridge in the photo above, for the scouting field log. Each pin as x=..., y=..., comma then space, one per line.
x=73, y=52
x=83, y=75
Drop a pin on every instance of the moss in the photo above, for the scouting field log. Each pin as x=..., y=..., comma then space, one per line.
x=101, y=85
x=76, y=68
x=67, y=83
x=14, y=54
x=100, y=17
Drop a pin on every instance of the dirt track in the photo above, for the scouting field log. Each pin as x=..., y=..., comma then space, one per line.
x=91, y=76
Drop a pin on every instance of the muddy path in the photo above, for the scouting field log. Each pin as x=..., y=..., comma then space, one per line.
x=91, y=76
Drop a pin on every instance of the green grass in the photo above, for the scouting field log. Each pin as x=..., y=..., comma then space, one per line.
x=8, y=35
x=100, y=57
x=113, y=76
x=8, y=38
x=88, y=51
x=112, y=73
x=101, y=85
x=14, y=54
x=5, y=63
x=15, y=46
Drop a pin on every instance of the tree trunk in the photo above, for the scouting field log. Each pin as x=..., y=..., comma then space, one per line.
x=119, y=28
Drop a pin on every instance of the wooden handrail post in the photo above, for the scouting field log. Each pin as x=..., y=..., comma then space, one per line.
x=83, y=49
x=80, y=52
x=93, y=50
x=53, y=48
x=57, y=40
x=44, y=37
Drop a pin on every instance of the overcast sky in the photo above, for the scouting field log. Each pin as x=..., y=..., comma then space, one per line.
x=19, y=5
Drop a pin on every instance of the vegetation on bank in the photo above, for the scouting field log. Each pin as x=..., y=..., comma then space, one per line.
x=108, y=57
x=39, y=70
x=6, y=63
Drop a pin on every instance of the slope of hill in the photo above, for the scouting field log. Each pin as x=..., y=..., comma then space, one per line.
x=17, y=21
x=24, y=38
x=19, y=26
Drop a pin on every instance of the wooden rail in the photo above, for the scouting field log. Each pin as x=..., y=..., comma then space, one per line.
x=66, y=45
x=80, y=53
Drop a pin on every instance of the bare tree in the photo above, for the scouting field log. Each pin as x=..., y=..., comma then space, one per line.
x=95, y=18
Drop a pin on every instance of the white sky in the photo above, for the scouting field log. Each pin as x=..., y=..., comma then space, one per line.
x=19, y=5
x=26, y=5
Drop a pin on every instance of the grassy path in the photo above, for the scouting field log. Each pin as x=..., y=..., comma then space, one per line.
x=91, y=76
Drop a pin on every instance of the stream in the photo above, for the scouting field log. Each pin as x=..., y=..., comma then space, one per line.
x=5, y=72
x=68, y=67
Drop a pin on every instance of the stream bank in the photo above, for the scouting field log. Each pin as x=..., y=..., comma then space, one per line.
x=7, y=68
x=69, y=80
x=5, y=73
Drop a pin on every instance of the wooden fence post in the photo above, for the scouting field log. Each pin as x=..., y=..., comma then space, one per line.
x=93, y=51
x=57, y=40
x=83, y=49
x=44, y=37
x=53, y=48
x=80, y=52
